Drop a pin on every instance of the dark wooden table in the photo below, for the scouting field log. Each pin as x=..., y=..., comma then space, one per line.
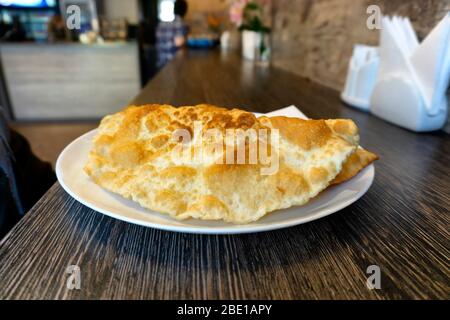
x=401, y=224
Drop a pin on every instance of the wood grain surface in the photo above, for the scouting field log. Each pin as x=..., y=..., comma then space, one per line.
x=401, y=224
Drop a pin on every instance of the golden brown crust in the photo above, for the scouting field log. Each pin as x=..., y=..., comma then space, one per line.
x=132, y=155
x=306, y=134
x=360, y=159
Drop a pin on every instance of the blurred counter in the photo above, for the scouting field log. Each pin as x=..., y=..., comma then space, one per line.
x=70, y=80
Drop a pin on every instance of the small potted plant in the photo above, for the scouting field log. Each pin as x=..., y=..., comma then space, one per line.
x=248, y=15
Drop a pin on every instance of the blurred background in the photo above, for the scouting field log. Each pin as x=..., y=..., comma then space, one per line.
x=56, y=82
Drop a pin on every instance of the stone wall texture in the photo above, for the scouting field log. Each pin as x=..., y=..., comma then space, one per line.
x=315, y=38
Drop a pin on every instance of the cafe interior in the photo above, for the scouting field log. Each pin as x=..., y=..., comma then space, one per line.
x=66, y=64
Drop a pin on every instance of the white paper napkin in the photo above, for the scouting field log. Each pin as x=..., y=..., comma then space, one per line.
x=291, y=111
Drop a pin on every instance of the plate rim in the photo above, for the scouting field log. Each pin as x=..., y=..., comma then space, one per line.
x=232, y=229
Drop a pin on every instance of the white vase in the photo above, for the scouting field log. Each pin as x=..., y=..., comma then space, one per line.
x=251, y=41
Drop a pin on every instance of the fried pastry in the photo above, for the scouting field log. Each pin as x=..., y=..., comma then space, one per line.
x=360, y=159
x=139, y=154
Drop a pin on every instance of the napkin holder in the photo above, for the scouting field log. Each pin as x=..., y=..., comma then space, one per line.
x=410, y=90
x=361, y=76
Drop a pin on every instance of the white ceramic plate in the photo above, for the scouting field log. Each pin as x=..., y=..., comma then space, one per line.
x=69, y=169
